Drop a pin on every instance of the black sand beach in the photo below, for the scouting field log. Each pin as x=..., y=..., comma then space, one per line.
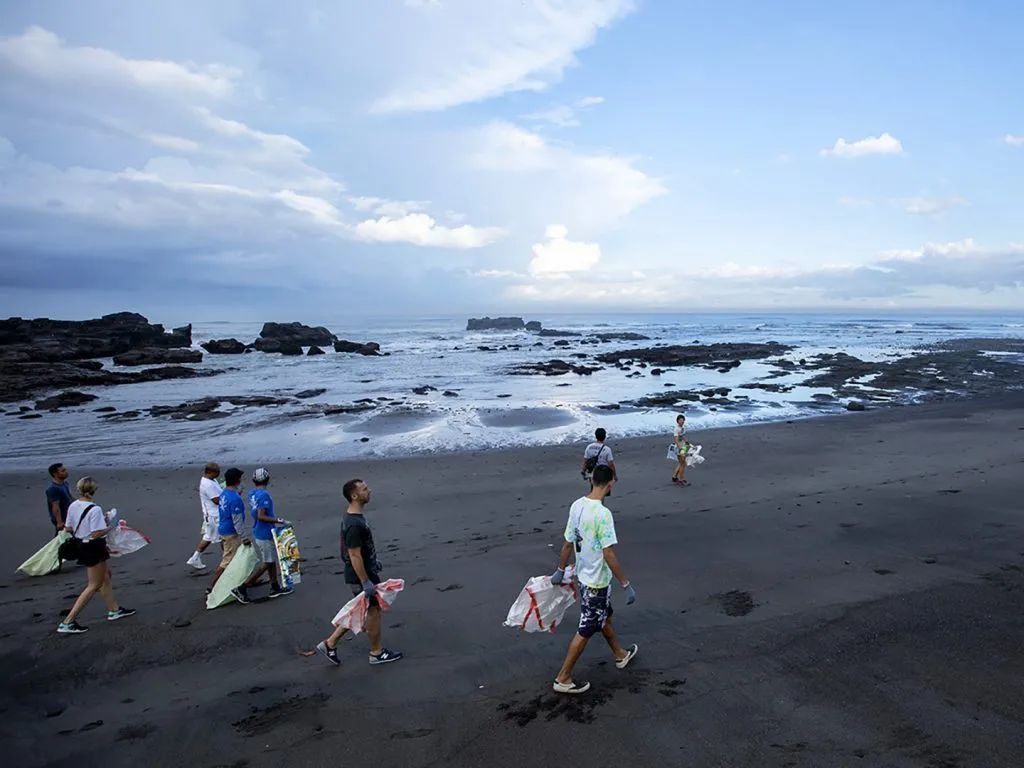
x=843, y=591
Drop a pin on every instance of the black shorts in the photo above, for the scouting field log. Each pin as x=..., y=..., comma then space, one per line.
x=595, y=609
x=93, y=552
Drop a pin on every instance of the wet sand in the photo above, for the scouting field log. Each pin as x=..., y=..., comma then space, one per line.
x=843, y=591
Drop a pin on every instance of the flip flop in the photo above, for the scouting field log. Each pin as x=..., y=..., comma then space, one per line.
x=622, y=663
x=571, y=687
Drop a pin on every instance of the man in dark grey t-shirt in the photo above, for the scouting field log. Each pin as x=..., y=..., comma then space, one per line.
x=58, y=496
x=362, y=574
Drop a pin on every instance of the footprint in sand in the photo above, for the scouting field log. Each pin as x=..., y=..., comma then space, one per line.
x=734, y=603
x=449, y=588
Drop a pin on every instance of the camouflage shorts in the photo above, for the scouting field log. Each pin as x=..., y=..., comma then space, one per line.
x=595, y=609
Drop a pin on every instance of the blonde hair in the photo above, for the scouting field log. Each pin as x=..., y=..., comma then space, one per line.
x=86, y=486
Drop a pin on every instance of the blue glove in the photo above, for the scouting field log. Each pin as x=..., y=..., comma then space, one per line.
x=369, y=588
x=558, y=576
x=630, y=594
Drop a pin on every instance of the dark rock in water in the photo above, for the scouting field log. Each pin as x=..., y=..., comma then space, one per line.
x=495, y=324
x=105, y=409
x=710, y=356
x=31, y=416
x=364, y=439
x=224, y=347
x=424, y=389
x=561, y=343
x=449, y=393
x=610, y=407
x=664, y=399
x=768, y=387
x=656, y=371
x=533, y=325
x=622, y=336
x=297, y=334
x=206, y=408
x=156, y=356
x=368, y=348
x=854, y=405
x=314, y=351
x=283, y=347
x=307, y=393
x=333, y=410
x=554, y=333
x=503, y=396
x=64, y=400
x=89, y=365
x=552, y=368
x=18, y=381
x=43, y=340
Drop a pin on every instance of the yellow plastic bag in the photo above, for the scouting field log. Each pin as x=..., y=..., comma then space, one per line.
x=238, y=570
x=46, y=560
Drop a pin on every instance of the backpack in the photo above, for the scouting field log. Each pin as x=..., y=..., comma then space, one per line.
x=72, y=548
x=591, y=464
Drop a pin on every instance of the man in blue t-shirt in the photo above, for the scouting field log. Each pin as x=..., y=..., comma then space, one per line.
x=58, y=496
x=230, y=521
x=262, y=507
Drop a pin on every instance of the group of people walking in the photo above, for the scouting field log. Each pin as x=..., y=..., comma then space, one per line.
x=589, y=542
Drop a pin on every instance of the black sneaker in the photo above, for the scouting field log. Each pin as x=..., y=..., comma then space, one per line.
x=279, y=592
x=239, y=594
x=71, y=628
x=120, y=613
x=385, y=656
x=330, y=653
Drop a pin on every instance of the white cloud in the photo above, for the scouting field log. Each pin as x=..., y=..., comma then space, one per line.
x=558, y=255
x=886, y=144
x=930, y=206
x=41, y=55
x=480, y=51
x=855, y=202
x=421, y=229
x=565, y=115
x=383, y=207
x=1014, y=141
x=595, y=189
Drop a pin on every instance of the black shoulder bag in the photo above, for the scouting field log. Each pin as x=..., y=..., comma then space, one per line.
x=72, y=548
x=591, y=464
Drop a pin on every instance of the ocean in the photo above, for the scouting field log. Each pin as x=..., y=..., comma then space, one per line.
x=484, y=408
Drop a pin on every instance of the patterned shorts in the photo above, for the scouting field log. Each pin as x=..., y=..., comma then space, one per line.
x=595, y=609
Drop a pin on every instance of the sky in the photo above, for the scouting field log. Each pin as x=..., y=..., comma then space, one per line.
x=260, y=160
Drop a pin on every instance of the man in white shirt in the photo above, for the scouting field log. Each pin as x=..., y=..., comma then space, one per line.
x=598, y=454
x=209, y=497
x=590, y=532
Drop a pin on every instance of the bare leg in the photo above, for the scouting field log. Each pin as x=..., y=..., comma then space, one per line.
x=336, y=635
x=202, y=545
x=682, y=467
x=95, y=575
x=571, y=657
x=612, y=640
x=107, y=592
x=373, y=629
x=256, y=574
x=216, y=575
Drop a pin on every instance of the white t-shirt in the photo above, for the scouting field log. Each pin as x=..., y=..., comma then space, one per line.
x=590, y=525
x=208, y=491
x=680, y=432
x=94, y=521
x=603, y=452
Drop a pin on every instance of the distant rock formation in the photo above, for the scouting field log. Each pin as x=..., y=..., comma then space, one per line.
x=156, y=356
x=368, y=348
x=297, y=333
x=496, y=324
x=224, y=347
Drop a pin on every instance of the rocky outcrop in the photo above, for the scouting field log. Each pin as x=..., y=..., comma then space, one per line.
x=45, y=341
x=622, y=336
x=297, y=334
x=554, y=332
x=552, y=368
x=224, y=347
x=313, y=351
x=64, y=400
x=308, y=393
x=713, y=356
x=533, y=325
x=19, y=381
x=283, y=347
x=208, y=408
x=368, y=348
x=157, y=356
x=495, y=324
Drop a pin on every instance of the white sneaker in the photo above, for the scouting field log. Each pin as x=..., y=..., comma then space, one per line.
x=196, y=563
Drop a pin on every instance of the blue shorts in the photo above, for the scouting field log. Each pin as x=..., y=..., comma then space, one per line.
x=595, y=609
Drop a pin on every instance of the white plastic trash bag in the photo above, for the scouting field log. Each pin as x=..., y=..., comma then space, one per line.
x=238, y=570
x=541, y=605
x=46, y=560
x=673, y=452
x=123, y=540
x=352, y=615
x=693, y=457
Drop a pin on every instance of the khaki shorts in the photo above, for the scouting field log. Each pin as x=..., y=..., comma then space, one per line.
x=230, y=544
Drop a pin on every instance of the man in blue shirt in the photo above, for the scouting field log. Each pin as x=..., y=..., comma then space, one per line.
x=262, y=507
x=230, y=521
x=58, y=496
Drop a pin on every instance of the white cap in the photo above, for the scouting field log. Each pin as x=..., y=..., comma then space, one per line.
x=261, y=475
